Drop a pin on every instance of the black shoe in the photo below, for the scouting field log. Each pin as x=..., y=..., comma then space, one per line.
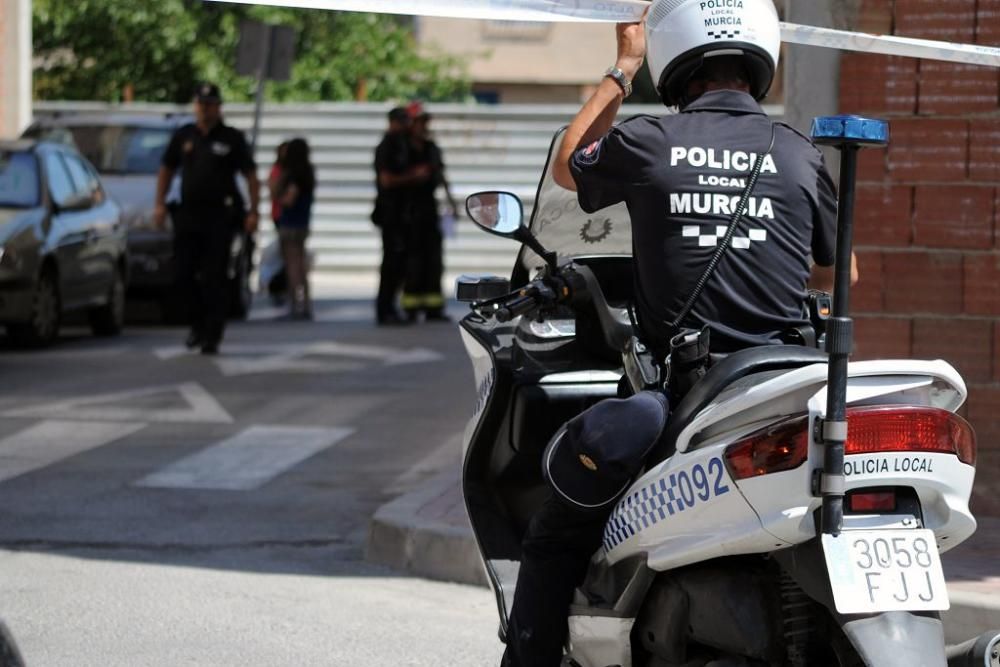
x=194, y=339
x=210, y=349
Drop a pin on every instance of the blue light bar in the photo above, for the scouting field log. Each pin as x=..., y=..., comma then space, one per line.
x=845, y=130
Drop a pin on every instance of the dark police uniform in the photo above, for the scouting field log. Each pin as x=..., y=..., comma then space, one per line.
x=210, y=212
x=679, y=176
x=392, y=216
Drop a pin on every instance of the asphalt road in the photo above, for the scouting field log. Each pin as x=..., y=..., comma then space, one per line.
x=158, y=507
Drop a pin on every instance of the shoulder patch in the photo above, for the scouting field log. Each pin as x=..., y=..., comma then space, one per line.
x=589, y=154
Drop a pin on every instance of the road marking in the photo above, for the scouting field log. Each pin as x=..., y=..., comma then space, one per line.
x=317, y=357
x=48, y=442
x=248, y=460
x=197, y=406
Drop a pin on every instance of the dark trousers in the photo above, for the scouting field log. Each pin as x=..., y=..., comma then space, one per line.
x=393, y=270
x=555, y=554
x=424, y=267
x=202, y=238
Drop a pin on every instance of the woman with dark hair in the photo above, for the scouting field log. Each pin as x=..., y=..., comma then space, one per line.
x=295, y=190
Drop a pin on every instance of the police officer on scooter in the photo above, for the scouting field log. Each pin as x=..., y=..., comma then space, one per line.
x=682, y=177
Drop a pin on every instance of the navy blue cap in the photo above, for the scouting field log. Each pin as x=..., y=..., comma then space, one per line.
x=208, y=92
x=593, y=459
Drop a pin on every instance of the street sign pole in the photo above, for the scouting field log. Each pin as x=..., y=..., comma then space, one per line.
x=262, y=70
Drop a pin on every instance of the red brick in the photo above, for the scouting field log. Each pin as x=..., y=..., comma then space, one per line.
x=984, y=150
x=947, y=20
x=986, y=492
x=953, y=216
x=948, y=88
x=928, y=150
x=873, y=166
x=875, y=84
x=875, y=17
x=965, y=344
x=882, y=338
x=982, y=277
x=984, y=415
x=866, y=296
x=882, y=215
x=988, y=22
x=996, y=351
x=922, y=282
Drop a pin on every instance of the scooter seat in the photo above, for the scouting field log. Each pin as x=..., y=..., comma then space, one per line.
x=727, y=371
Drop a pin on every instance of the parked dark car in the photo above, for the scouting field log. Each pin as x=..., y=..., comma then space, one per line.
x=62, y=243
x=126, y=149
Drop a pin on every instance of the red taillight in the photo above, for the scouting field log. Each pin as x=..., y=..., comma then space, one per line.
x=909, y=428
x=871, y=501
x=870, y=430
x=778, y=447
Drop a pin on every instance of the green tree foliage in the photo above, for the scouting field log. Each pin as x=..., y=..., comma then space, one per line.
x=93, y=49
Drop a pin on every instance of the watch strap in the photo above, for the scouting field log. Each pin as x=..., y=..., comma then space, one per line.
x=618, y=76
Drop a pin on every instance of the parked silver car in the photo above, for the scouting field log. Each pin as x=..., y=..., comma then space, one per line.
x=126, y=149
x=62, y=243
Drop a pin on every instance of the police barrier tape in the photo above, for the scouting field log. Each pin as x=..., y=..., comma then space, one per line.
x=631, y=10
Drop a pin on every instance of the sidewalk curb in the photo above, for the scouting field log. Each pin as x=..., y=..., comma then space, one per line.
x=401, y=538
x=971, y=614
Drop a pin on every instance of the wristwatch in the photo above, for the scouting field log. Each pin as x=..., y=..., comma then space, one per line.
x=619, y=77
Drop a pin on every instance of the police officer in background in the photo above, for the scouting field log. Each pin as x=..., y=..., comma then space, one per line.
x=679, y=175
x=209, y=155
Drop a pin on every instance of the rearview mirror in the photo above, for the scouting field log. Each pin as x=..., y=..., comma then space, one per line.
x=499, y=213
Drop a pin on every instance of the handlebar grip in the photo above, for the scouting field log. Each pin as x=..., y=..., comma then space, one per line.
x=518, y=306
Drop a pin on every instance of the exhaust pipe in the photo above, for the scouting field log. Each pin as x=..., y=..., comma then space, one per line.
x=981, y=651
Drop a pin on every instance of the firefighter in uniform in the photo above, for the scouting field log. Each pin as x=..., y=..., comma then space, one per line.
x=396, y=178
x=209, y=155
x=680, y=176
x=425, y=254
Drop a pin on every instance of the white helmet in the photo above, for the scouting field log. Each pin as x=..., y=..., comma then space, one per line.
x=680, y=34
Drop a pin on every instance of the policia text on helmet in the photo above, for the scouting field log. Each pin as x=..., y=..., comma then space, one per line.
x=697, y=41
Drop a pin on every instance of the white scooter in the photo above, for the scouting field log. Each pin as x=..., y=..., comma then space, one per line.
x=795, y=509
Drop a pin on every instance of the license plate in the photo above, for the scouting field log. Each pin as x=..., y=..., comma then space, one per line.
x=885, y=570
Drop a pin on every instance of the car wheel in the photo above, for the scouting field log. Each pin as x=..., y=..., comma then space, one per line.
x=43, y=325
x=108, y=320
x=240, y=292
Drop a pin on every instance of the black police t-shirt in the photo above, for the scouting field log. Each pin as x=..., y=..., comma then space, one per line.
x=681, y=177
x=209, y=164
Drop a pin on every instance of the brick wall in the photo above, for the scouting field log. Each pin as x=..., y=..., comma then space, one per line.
x=928, y=210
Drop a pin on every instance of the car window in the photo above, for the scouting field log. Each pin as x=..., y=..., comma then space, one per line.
x=19, y=186
x=84, y=183
x=116, y=149
x=60, y=185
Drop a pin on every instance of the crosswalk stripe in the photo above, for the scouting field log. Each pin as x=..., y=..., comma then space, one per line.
x=51, y=441
x=246, y=461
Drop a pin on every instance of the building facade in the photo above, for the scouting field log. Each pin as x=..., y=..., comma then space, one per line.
x=15, y=66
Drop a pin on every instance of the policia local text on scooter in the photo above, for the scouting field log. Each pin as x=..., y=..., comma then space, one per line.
x=713, y=553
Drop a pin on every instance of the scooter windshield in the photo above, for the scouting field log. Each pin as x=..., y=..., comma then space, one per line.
x=563, y=227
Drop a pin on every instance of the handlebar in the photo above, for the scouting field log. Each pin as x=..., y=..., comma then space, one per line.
x=516, y=307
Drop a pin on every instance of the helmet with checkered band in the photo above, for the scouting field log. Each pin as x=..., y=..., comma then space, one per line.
x=681, y=34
